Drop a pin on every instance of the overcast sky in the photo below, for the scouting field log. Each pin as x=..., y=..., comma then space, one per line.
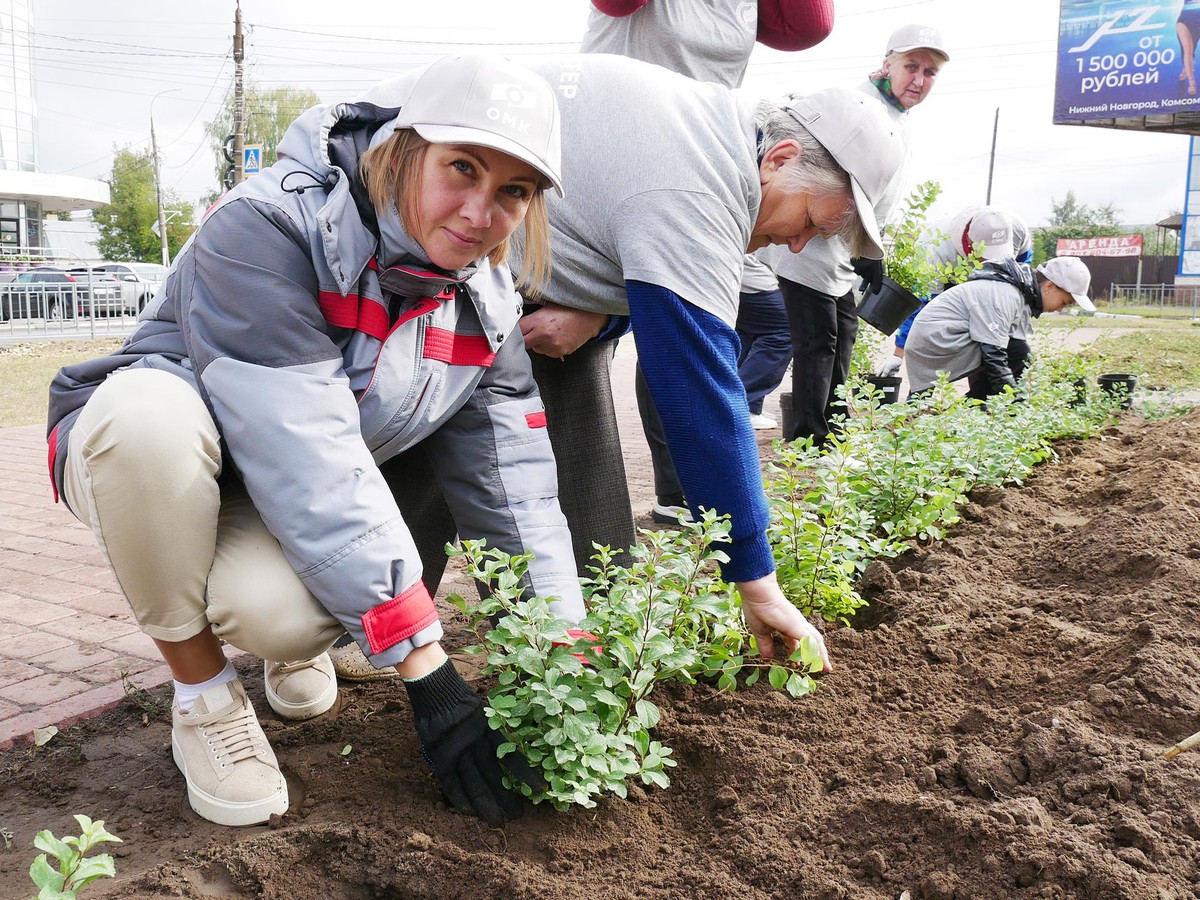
x=102, y=64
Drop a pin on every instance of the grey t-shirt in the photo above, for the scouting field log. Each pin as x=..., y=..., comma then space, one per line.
x=756, y=277
x=947, y=332
x=661, y=181
x=824, y=263
x=709, y=40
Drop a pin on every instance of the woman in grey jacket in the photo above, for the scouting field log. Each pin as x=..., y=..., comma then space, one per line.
x=346, y=311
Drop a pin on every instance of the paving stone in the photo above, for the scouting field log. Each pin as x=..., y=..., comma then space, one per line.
x=34, y=612
x=42, y=690
x=74, y=657
x=31, y=643
x=107, y=605
x=13, y=671
x=90, y=629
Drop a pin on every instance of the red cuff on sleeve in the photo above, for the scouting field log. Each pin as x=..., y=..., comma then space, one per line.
x=400, y=618
x=52, y=454
x=794, y=24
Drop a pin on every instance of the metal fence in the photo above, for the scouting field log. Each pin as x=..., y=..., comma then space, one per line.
x=36, y=311
x=1182, y=300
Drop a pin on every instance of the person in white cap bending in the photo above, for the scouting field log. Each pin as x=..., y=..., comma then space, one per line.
x=669, y=182
x=711, y=40
x=817, y=283
x=966, y=331
x=348, y=310
x=949, y=241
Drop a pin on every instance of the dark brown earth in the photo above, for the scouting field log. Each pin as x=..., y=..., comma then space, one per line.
x=994, y=729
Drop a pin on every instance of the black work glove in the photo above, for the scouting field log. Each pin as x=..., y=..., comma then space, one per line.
x=995, y=369
x=461, y=749
x=871, y=273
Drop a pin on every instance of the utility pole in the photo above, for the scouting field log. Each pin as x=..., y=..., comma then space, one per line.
x=239, y=99
x=992, y=161
x=162, y=224
x=162, y=219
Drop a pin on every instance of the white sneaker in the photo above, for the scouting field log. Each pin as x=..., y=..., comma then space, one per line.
x=671, y=515
x=351, y=665
x=759, y=422
x=231, y=772
x=300, y=690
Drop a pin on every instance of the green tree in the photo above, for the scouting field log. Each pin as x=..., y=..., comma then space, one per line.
x=269, y=112
x=125, y=223
x=1071, y=219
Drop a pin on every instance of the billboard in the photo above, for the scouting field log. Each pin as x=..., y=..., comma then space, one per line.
x=1189, y=254
x=1123, y=59
x=1119, y=245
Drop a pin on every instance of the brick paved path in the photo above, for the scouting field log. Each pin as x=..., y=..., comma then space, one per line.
x=67, y=638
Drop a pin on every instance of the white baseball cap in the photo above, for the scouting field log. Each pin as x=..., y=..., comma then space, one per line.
x=862, y=138
x=993, y=229
x=490, y=102
x=914, y=37
x=1070, y=274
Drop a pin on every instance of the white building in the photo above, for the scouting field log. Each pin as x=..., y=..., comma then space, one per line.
x=25, y=190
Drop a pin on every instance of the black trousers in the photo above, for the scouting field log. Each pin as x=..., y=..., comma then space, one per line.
x=823, y=329
x=582, y=422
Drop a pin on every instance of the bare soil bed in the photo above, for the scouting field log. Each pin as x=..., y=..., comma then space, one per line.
x=994, y=729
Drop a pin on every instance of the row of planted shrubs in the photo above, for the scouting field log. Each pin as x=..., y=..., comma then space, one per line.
x=583, y=712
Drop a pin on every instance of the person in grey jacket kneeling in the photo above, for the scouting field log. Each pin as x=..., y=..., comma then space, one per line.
x=341, y=328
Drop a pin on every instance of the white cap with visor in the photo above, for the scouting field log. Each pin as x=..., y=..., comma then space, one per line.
x=1073, y=276
x=917, y=37
x=488, y=101
x=862, y=138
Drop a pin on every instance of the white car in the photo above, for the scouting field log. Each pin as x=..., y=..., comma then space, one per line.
x=139, y=281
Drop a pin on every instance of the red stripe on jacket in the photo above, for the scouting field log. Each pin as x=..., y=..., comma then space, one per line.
x=458, y=349
x=353, y=311
x=52, y=443
x=536, y=420
x=400, y=618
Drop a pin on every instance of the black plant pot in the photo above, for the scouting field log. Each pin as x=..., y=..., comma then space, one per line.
x=887, y=309
x=1119, y=385
x=787, y=415
x=888, y=385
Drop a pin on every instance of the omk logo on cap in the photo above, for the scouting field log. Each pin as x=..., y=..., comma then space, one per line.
x=514, y=96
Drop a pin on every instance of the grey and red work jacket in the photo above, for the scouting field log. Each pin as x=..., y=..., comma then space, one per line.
x=315, y=374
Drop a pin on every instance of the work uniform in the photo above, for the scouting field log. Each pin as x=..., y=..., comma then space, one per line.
x=817, y=286
x=948, y=333
x=662, y=192
x=228, y=456
x=711, y=40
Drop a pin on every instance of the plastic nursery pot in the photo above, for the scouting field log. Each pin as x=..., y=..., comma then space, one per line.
x=1119, y=385
x=889, y=385
x=786, y=414
x=888, y=308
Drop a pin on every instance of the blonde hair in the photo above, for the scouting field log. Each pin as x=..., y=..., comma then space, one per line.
x=389, y=168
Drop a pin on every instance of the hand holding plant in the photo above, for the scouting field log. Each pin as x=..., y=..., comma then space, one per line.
x=767, y=612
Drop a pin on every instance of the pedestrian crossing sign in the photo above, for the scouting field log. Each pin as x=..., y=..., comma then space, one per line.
x=252, y=159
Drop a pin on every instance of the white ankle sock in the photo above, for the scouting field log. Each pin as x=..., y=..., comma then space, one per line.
x=186, y=694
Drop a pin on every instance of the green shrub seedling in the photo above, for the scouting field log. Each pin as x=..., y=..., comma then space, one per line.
x=75, y=869
x=667, y=617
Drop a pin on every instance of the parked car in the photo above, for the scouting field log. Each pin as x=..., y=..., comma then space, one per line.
x=139, y=281
x=55, y=294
